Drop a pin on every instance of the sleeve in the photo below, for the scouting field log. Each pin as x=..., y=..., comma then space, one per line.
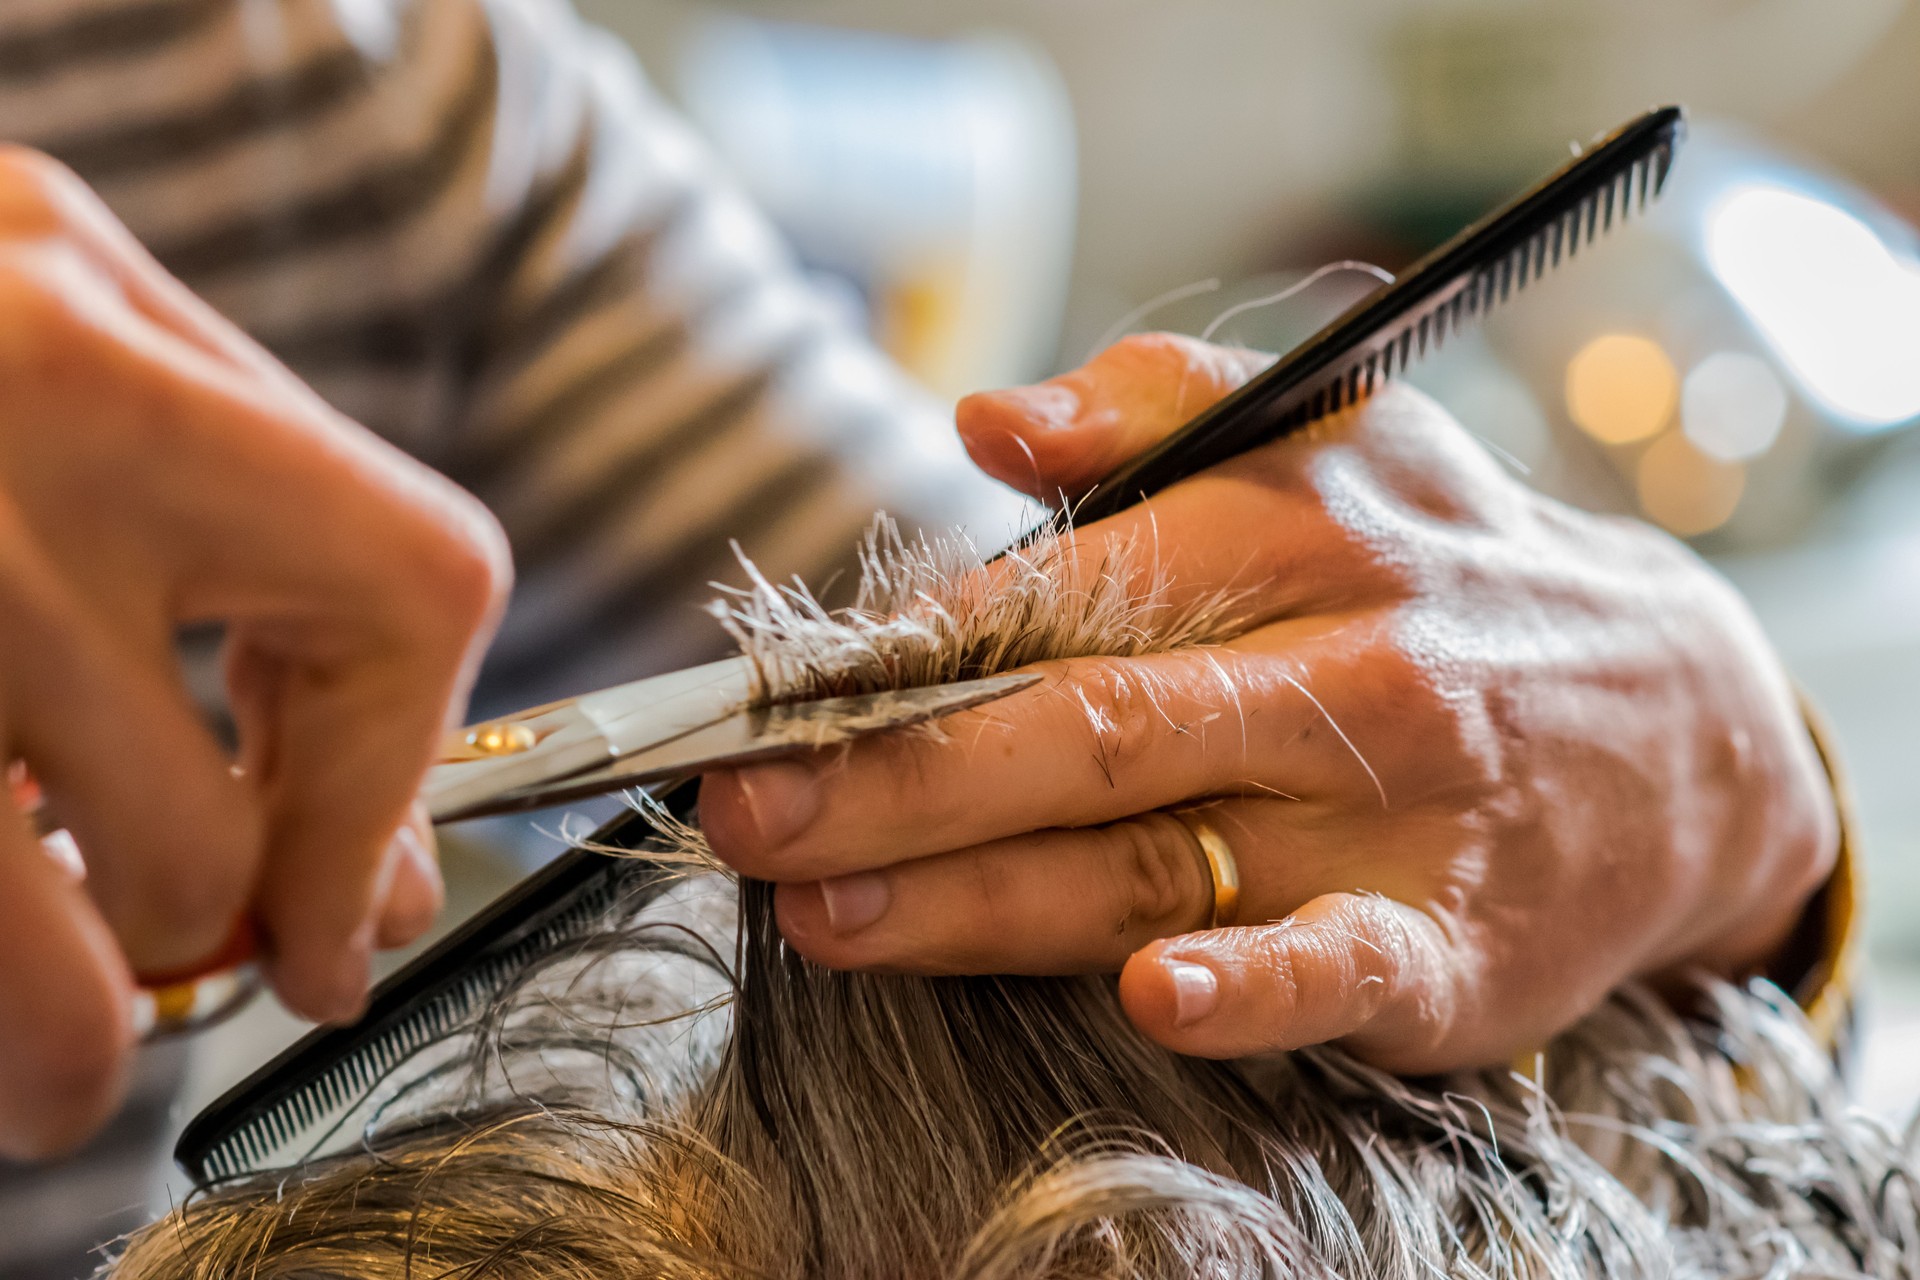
x=472, y=226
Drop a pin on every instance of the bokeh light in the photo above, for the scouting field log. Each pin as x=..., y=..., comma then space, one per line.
x=1684, y=490
x=1838, y=306
x=1732, y=406
x=1621, y=388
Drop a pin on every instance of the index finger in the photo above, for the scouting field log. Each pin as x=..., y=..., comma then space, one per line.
x=340, y=724
x=1099, y=740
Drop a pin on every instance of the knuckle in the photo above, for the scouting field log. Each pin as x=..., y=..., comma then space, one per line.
x=1390, y=703
x=1168, y=352
x=1404, y=967
x=1123, y=710
x=1158, y=872
x=463, y=567
x=33, y=167
x=1395, y=677
x=36, y=320
x=34, y=188
x=1330, y=974
x=1273, y=955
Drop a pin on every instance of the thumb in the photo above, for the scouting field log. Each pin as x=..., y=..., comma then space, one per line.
x=1064, y=434
x=1380, y=977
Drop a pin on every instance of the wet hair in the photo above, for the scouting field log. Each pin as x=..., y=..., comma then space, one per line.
x=687, y=1097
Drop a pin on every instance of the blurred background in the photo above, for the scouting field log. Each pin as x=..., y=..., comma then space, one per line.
x=1000, y=186
x=995, y=188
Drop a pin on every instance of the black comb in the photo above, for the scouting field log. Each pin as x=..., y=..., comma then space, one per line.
x=274, y=1115
x=268, y=1118
x=1379, y=336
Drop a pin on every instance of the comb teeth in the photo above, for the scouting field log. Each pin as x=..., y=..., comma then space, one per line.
x=1625, y=194
x=310, y=1112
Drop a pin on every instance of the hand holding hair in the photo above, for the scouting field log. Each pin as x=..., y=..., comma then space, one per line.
x=158, y=469
x=1479, y=757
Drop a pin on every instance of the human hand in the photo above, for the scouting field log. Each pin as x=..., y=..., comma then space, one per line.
x=158, y=469
x=1481, y=757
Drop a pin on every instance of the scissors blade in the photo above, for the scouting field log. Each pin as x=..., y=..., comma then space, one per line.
x=754, y=733
x=570, y=737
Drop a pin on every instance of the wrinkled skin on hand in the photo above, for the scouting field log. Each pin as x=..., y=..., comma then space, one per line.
x=159, y=469
x=1481, y=757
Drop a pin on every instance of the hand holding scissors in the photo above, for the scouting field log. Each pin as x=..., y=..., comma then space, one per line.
x=158, y=469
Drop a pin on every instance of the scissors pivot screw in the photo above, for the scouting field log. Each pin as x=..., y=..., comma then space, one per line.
x=501, y=739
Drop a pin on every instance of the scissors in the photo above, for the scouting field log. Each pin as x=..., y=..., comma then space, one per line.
x=663, y=728
x=648, y=731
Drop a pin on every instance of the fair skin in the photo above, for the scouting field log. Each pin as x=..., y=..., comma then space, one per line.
x=1563, y=755
x=1481, y=758
x=159, y=469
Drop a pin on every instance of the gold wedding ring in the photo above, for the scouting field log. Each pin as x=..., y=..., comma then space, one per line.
x=1221, y=867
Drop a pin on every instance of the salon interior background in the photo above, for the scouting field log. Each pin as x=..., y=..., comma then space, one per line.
x=995, y=183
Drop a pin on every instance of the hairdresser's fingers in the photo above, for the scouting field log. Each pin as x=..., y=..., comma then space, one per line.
x=1340, y=719
x=1066, y=433
x=65, y=1004
x=1382, y=978
x=341, y=743
x=1100, y=740
x=1073, y=901
x=1048, y=903
x=126, y=764
x=415, y=889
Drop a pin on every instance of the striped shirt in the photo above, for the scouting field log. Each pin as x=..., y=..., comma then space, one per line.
x=472, y=226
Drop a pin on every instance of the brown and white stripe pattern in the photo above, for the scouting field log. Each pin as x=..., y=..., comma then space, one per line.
x=473, y=227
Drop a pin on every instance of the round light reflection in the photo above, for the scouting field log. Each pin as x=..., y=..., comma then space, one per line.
x=1732, y=406
x=1621, y=388
x=1684, y=490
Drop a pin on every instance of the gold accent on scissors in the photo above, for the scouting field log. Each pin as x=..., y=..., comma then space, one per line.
x=1222, y=868
x=182, y=1008
x=499, y=738
x=661, y=728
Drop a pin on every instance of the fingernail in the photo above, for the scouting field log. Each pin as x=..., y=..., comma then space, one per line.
x=781, y=799
x=856, y=901
x=1195, y=992
x=61, y=847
